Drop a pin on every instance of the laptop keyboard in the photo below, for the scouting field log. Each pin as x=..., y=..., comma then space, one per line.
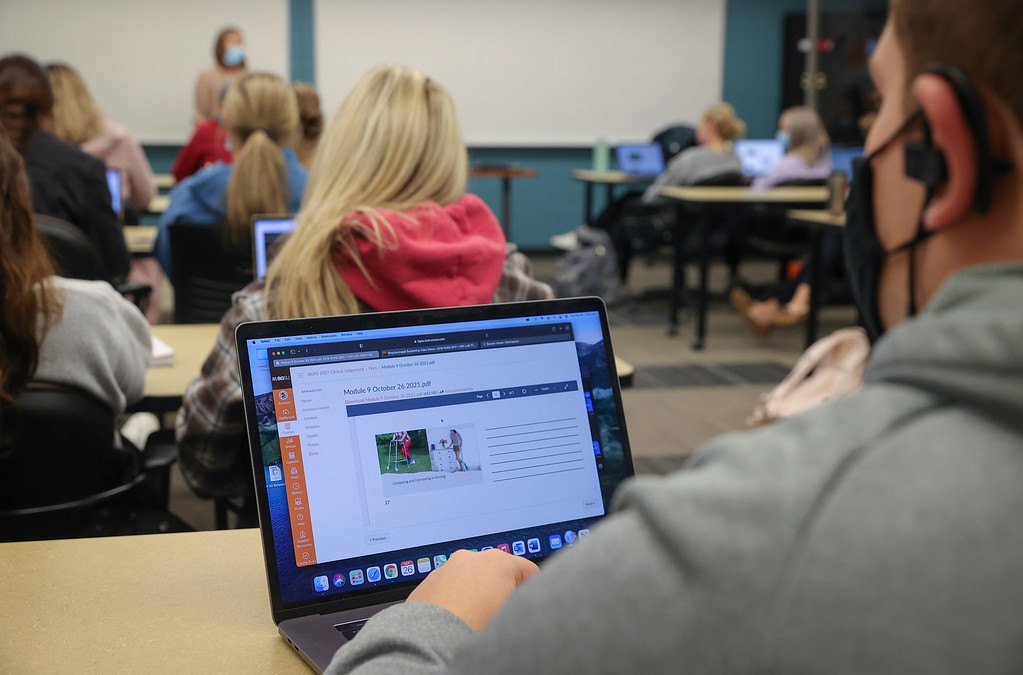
x=351, y=628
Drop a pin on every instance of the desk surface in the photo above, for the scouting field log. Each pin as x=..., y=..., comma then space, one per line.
x=502, y=172
x=745, y=195
x=610, y=177
x=817, y=217
x=163, y=181
x=192, y=344
x=140, y=238
x=158, y=204
x=194, y=602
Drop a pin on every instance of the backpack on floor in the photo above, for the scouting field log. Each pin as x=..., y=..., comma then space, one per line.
x=590, y=269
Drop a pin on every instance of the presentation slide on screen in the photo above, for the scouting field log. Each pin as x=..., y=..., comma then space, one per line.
x=404, y=452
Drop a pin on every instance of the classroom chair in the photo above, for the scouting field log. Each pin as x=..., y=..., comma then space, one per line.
x=205, y=272
x=61, y=475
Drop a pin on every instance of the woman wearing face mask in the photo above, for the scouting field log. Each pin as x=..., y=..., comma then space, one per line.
x=806, y=142
x=229, y=52
x=807, y=157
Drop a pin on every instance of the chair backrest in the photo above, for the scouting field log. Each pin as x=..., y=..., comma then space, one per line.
x=205, y=272
x=71, y=252
x=61, y=450
x=675, y=139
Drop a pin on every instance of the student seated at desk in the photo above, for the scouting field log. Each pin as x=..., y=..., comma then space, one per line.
x=311, y=117
x=807, y=157
x=50, y=330
x=386, y=225
x=77, y=120
x=713, y=157
x=64, y=182
x=261, y=117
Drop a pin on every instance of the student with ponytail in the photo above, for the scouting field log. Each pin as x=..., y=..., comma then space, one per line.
x=261, y=117
x=386, y=225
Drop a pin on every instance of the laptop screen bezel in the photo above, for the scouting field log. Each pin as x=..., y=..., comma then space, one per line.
x=275, y=217
x=356, y=322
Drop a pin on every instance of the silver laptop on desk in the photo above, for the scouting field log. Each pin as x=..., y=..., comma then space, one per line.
x=382, y=443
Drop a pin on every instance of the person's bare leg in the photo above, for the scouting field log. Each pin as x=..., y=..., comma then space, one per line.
x=799, y=305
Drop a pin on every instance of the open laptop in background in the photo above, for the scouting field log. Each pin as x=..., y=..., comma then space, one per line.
x=268, y=233
x=382, y=443
x=842, y=159
x=115, y=183
x=645, y=159
x=758, y=155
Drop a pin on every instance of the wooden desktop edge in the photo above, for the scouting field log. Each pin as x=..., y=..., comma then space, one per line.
x=741, y=195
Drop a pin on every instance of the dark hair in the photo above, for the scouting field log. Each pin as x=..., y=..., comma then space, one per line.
x=25, y=294
x=23, y=80
x=219, y=46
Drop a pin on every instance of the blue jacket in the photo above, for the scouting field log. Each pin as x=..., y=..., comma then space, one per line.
x=202, y=199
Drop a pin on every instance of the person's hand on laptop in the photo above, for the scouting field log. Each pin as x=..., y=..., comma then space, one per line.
x=474, y=585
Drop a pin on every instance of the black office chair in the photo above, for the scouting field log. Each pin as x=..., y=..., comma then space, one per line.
x=61, y=475
x=205, y=272
x=74, y=257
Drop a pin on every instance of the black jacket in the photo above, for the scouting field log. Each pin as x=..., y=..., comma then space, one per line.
x=68, y=184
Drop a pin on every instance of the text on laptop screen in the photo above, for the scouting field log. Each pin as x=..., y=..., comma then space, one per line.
x=267, y=235
x=645, y=159
x=392, y=448
x=758, y=156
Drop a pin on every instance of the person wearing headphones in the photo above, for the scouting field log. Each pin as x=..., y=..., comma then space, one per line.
x=879, y=533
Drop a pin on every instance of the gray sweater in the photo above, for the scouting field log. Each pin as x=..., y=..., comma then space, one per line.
x=693, y=166
x=879, y=533
x=100, y=344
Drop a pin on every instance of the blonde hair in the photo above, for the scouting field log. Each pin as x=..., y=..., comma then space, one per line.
x=260, y=110
x=807, y=136
x=76, y=119
x=726, y=123
x=393, y=144
x=311, y=118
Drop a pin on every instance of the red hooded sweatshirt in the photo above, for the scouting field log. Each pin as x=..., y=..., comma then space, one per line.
x=446, y=255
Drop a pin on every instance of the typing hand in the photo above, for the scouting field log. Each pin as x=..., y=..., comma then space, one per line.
x=474, y=585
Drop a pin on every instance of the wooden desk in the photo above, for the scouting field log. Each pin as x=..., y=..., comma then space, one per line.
x=194, y=602
x=140, y=239
x=163, y=181
x=158, y=204
x=505, y=174
x=609, y=179
x=816, y=222
x=711, y=204
x=165, y=385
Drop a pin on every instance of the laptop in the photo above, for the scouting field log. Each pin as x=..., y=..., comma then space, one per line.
x=382, y=443
x=268, y=233
x=758, y=155
x=646, y=159
x=842, y=159
x=115, y=183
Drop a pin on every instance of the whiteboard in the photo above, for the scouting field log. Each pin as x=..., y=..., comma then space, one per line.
x=140, y=59
x=536, y=72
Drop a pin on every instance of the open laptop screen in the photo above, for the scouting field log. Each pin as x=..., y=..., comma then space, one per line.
x=646, y=159
x=382, y=450
x=842, y=159
x=758, y=155
x=267, y=235
x=114, y=183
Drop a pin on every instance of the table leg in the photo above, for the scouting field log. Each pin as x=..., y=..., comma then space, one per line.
x=704, y=226
x=816, y=279
x=588, y=203
x=678, y=269
x=506, y=206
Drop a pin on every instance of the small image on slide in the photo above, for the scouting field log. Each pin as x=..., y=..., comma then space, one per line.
x=403, y=452
x=428, y=459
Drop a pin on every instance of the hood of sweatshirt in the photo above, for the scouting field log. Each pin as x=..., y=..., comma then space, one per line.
x=967, y=346
x=444, y=255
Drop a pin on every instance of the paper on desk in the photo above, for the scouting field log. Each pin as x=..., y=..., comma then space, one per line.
x=162, y=354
